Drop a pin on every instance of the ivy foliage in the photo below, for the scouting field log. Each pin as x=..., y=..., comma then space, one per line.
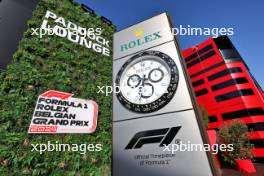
x=54, y=63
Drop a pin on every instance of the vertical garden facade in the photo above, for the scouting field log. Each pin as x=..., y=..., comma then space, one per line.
x=53, y=62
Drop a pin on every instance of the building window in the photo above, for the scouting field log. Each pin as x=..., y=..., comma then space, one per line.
x=230, y=55
x=256, y=126
x=259, y=143
x=228, y=83
x=243, y=113
x=199, y=52
x=198, y=83
x=234, y=94
x=201, y=58
x=224, y=73
x=201, y=92
x=227, y=49
x=212, y=118
x=207, y=69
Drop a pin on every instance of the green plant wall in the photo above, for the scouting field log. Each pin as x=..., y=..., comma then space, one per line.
x=58, y=64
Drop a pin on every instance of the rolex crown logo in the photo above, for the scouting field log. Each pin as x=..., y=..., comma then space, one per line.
x=139, y=32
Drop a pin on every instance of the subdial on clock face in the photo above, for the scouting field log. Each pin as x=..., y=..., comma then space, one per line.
x=146, y=91
x=134, y=81
x=156, y=75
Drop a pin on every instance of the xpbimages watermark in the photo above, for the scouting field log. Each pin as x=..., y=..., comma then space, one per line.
x=62, y=147
x=182, y=147
x=197, y=31
x=107, y=90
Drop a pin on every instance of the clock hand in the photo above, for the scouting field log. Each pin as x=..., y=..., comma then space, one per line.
x=140, y=93
x=142, y=85
x=143, y=80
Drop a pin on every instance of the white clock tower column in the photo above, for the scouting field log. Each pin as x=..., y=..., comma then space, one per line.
x=155, y=109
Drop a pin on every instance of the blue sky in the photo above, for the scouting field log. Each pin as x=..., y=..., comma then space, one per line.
x=246, y=17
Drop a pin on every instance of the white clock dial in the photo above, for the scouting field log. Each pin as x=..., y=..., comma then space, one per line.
x=147, y=81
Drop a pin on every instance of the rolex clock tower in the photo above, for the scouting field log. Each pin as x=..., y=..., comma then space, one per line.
x=154, y=108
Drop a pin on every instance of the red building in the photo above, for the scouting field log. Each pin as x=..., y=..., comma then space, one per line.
x=224, y=85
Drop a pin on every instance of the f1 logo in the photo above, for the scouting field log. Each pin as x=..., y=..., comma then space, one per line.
x=163, y=136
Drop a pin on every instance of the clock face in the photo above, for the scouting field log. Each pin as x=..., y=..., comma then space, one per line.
x=147, y=81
